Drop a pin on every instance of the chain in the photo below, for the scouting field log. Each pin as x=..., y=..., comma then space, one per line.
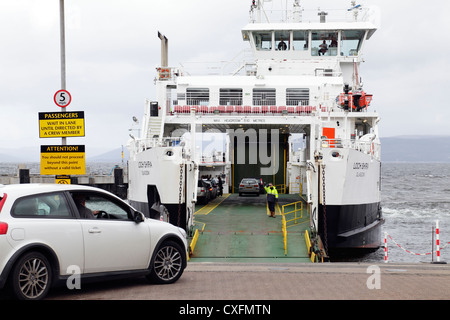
x=180, y=194
x=325, y=232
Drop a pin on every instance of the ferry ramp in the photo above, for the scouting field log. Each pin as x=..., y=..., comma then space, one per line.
x=235, y=228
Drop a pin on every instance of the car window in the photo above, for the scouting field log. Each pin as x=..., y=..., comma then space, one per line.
x=89, y=205
x=249, y=181
x=52, y=205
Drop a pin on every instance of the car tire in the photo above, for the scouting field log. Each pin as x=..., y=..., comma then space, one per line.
x=31, y=277
x=168, y=263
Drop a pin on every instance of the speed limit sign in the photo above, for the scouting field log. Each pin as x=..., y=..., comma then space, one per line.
x=62, y=98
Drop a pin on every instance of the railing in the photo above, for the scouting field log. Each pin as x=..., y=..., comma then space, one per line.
x=239, y=109
x=139, y=145
x=368, y=147
x=208, y=110
x=284, y=229
x=285, y=222
x=281, y=188
x=294, y=211
x=277, y=15
x=296, y=187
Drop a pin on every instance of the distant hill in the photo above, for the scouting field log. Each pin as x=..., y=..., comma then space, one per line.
x=111, y=156
x=415, y=149
x=25, y=155
x=393, y=149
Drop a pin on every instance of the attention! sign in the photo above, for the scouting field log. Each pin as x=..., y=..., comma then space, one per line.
x=61, y=124
x=63, y=160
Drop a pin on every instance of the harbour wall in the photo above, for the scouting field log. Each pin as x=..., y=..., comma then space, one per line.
x=116, y=182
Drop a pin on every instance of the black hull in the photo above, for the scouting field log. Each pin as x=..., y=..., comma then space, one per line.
x=351, y=227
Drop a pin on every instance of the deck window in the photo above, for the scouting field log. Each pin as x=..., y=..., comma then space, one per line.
x=297, y=96
x=230, y=97
x=282, y=40
x=264, y=97
x=351, y=42
x=263, y=41
x=197, y=96
x=300, y=40
x=324, y=43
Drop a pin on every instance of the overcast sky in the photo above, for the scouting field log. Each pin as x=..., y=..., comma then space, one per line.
x=113, y=50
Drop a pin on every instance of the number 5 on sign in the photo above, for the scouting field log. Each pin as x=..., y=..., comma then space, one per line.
x=62, y=98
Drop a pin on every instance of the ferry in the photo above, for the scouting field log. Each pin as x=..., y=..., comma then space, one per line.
x=295, y=114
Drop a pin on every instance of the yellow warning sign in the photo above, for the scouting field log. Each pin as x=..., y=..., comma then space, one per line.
x=62, y=179
x=63, y=160
x=61, y=124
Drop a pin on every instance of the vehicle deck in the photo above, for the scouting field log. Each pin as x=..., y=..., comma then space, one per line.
x=235, y=228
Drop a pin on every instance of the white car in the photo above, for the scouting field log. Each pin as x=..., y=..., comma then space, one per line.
x=52, y=233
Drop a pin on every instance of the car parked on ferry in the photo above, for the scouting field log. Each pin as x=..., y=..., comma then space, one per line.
x=204, y=191
x=249, y=186
x=48, y=232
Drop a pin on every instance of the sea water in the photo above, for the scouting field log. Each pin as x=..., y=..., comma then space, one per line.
x=414, y=197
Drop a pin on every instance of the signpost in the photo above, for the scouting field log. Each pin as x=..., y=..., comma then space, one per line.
x=64, y=160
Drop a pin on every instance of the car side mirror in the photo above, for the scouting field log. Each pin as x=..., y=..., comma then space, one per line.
x=138, y=217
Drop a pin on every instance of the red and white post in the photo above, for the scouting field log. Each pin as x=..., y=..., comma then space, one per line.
x=438, y=254
x=385, y=248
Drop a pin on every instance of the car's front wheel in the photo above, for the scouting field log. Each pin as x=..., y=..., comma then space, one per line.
x=31, y=277
x=168, y=263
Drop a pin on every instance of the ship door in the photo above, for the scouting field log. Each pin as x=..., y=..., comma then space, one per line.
x=330, y=134
x=154, y=109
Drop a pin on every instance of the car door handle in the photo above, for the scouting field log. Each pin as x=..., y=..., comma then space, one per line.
x=94, y=230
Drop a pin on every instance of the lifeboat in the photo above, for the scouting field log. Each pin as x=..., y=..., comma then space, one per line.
x=357, y=101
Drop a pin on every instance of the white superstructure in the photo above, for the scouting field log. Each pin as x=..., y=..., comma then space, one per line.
x=296, y=112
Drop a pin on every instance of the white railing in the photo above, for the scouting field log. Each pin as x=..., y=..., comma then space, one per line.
x=368, y=147
x=276, y=15
x=247, y=109
x=302, y=109
x=137, y=145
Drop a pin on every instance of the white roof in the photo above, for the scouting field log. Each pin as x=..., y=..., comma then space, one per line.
x=312, y=26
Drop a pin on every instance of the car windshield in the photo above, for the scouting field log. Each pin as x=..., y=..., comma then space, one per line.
x=249, y=181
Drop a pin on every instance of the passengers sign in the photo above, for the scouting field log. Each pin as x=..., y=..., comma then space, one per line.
x=61, y=124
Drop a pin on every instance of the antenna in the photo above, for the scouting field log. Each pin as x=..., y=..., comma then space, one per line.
x=355, y=8
x=297, y=11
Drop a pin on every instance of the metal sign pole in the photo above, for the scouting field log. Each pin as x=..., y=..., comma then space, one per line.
x=63, y=55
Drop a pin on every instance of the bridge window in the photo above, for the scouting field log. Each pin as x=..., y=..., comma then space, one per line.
x=351, y=42
x=263, y=40
x=300, y=40
x=324, y=43
x=282, y=40
x=297, y=96
x=197, y=96
x=230, y=97
x=264, y=97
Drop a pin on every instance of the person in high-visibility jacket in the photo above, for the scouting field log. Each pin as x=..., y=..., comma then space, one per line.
x=272, y=198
